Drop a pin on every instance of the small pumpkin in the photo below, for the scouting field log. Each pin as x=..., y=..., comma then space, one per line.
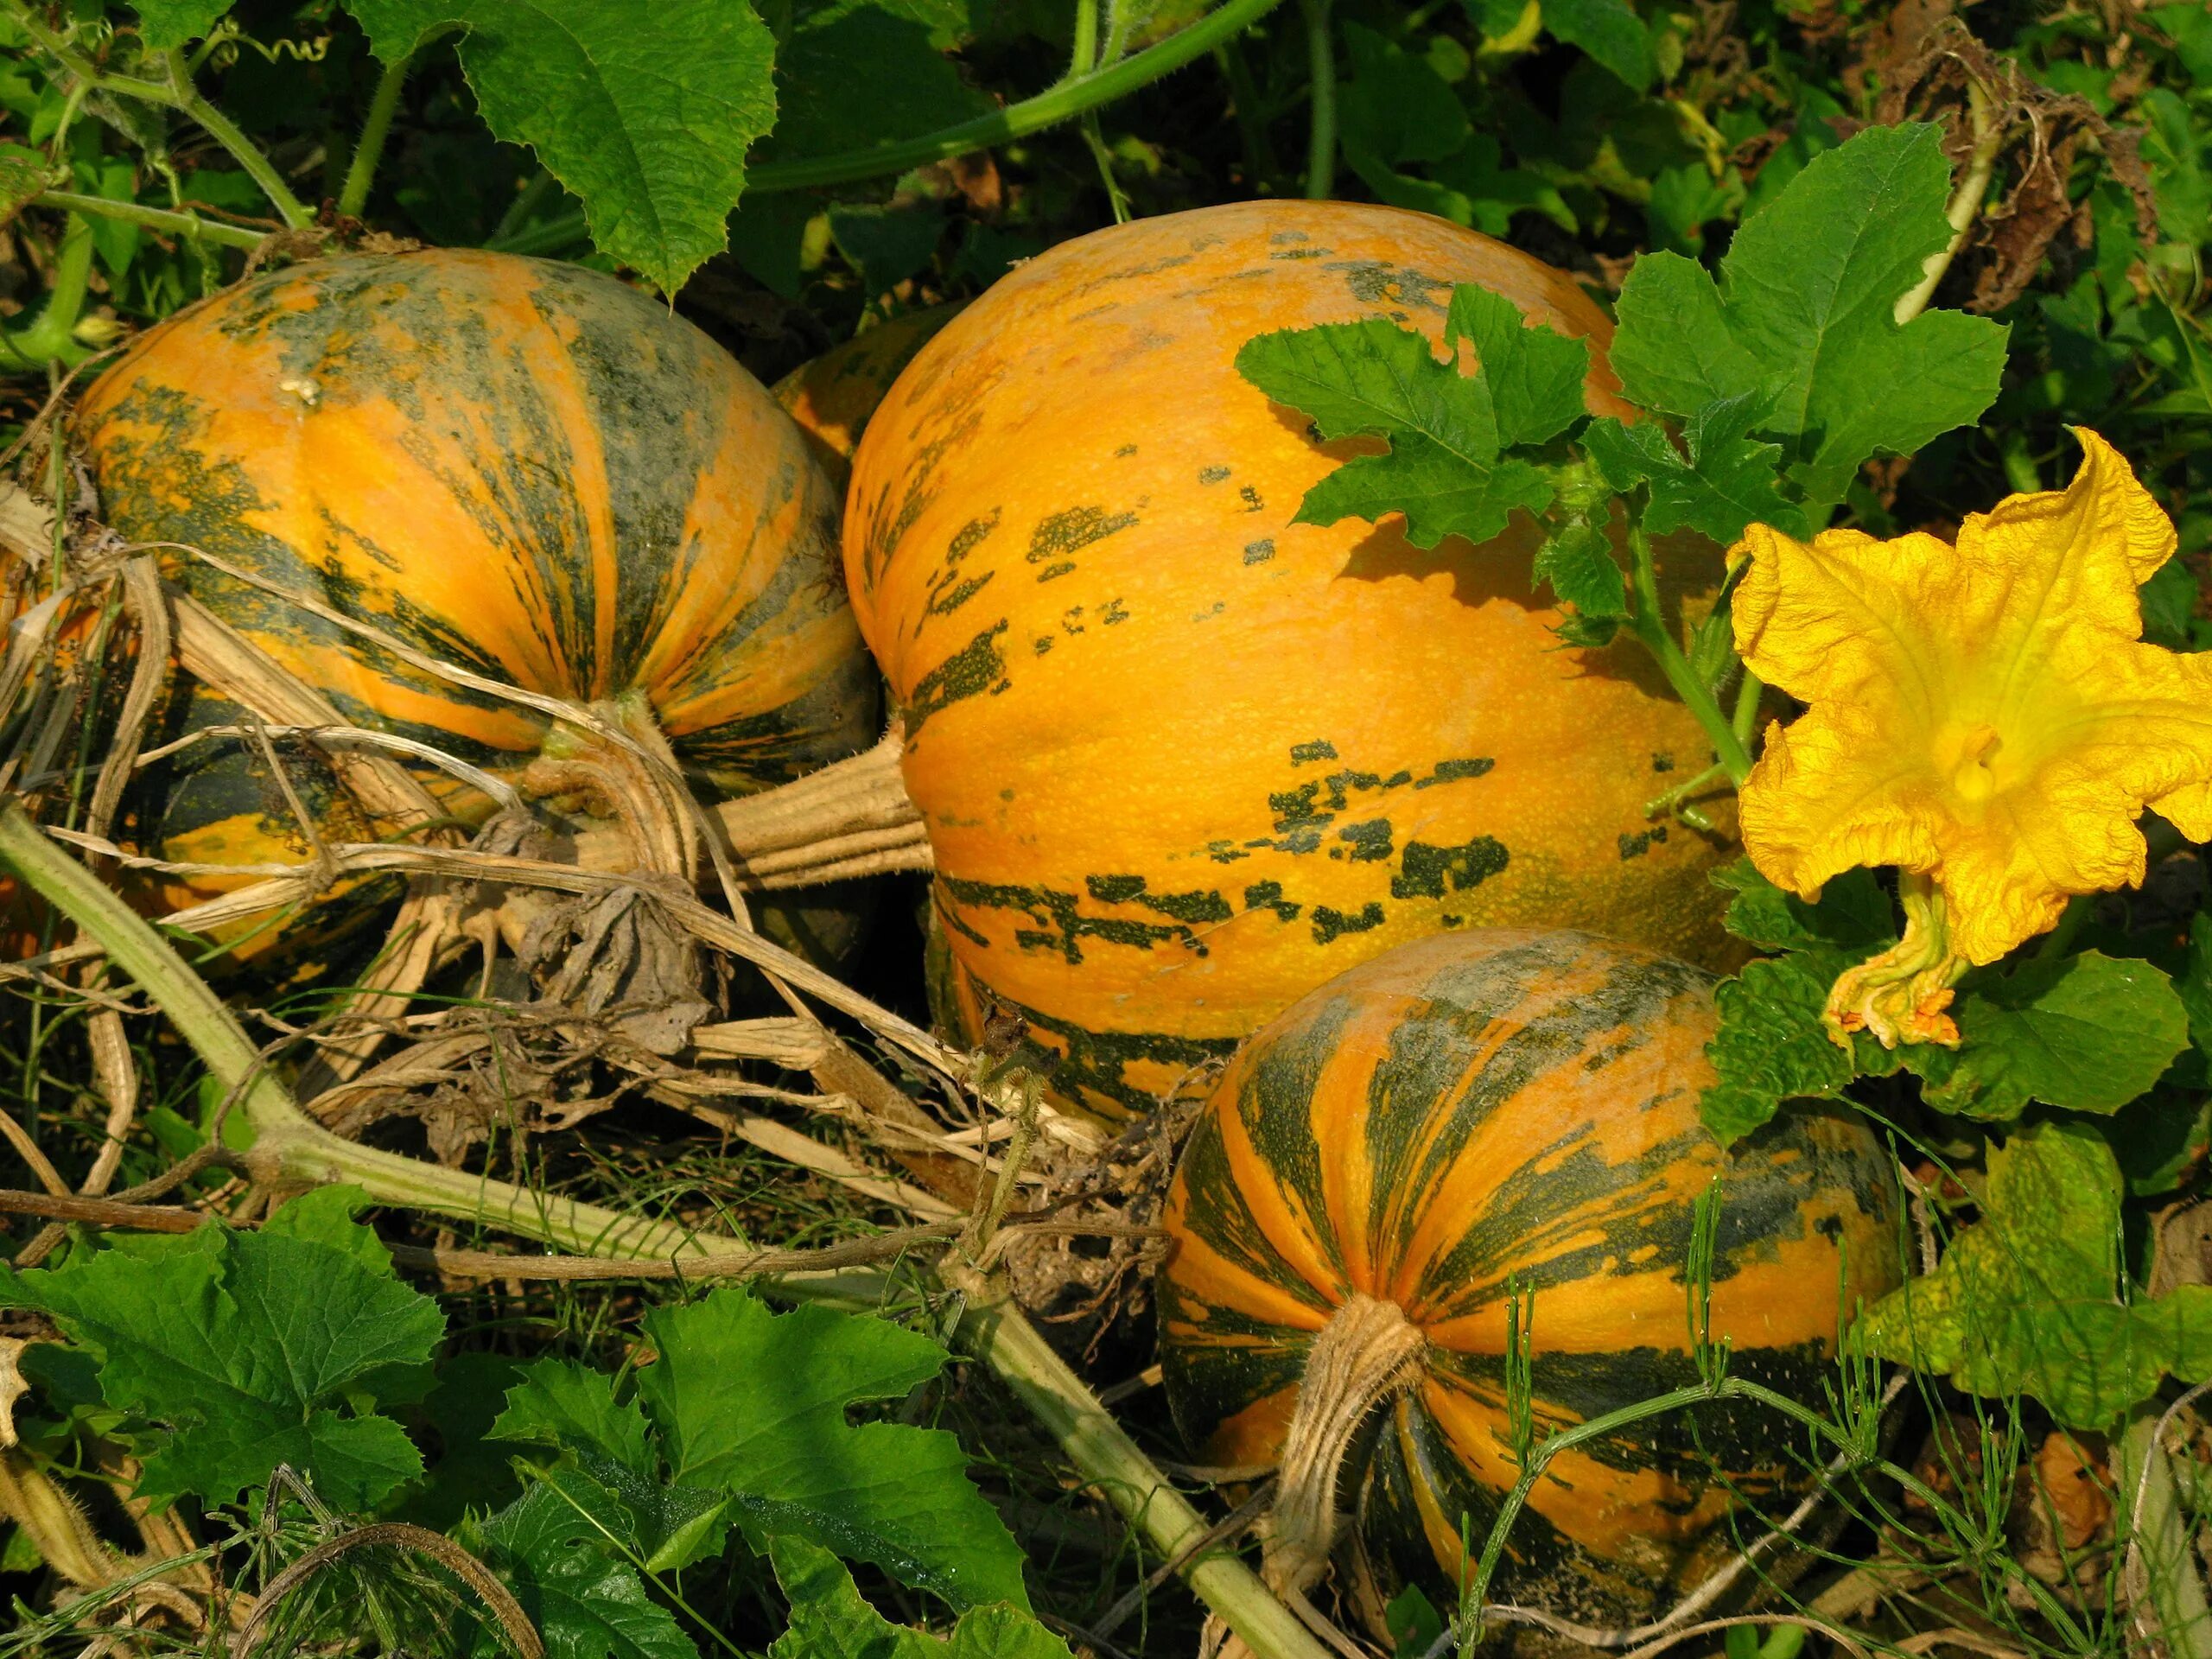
x=1181, y=757
x=833, y=396
x=525, y=469
x=1380, y=1168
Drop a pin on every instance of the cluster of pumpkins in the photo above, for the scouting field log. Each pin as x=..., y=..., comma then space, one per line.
x=1191, y=770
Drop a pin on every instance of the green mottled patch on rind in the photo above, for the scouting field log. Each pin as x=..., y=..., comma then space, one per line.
x=974, y=668
x=1426, y=871
x=1093, y=1065
x=1330, y=924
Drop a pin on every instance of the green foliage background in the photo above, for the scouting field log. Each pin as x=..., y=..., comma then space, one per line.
x=791, y=173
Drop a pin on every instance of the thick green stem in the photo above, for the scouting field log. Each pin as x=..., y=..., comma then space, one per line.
x=1649, y=626
x=383, y=104
x=244, y=152
x=289, y=1148
x=191, y=227
x=51, y=338
x=992, y=1325
x=2163, y=1579
x=1746, y=720
x=1069, y=98
x=1321, y=133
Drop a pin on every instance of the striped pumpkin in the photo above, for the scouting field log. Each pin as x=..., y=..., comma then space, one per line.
x=1492, y=1107
x=524, y=469
x=1181, y=758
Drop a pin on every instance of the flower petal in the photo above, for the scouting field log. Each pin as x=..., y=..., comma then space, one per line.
x=1830, y=792
x=1832, y=618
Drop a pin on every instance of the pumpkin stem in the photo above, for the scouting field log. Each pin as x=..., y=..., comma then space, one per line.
x=851, y=818
x=1368, y=1352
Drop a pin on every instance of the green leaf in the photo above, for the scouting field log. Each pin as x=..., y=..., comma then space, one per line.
x=1440, y=491
x=2027, y=1300
x=1395, y=107
x=754, y=1403
x=2087, y=1032
x=856, y=72
x=1852, y=913
x=163, y=25
x=1771, y=1046
x=886, y=244
x=1578, y=562
x=248, y=1350
x=1728, y=482
x=1803, y=317
x=1444, y=471
x=644, y=111
x=1610, y=31
x=830, y=1619
x=666, y=1528
x=24, y=172
x=1534, y=375
x=572, y=1408
x=584, y=1606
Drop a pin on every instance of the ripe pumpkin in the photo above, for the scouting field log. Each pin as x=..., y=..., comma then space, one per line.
x=1181, y=758
x=1402, y=1145
x=523, y=468
x=833, y=396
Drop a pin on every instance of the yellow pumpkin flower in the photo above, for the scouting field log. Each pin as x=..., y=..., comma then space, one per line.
x=1984, y=715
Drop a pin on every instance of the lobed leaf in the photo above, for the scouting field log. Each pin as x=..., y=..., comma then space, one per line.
x=1803, y=317
x=243, y=1351
x=2027, y=1300
x=2087, y=1032
x=830, y=1619
x=645, y=111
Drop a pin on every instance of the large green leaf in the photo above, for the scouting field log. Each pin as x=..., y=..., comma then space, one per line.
x=1727, y=482
x=242, y=1351
x=645, y=111
x=1801, y=320
x=830, y=1619
x=2027, y=1300
x=2087, y=1033
x=755, y=1404
x=584, y=1603
x=166, y=24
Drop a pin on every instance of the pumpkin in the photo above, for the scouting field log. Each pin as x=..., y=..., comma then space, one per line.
x=524, y=469
x=1181, y=758
x=833, y=396
x=1385, y=1162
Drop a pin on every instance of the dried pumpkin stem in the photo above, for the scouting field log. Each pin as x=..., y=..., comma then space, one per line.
x=1368, y=1352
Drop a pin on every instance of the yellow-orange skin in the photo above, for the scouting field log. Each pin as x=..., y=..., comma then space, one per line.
x=523, y=468
x=833, y=396
x=1070, y=543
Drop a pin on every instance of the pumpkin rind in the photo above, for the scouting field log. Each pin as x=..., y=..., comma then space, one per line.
x=523, y=468
x=832, y=397
x=1496, y=1106
x=1181, y=758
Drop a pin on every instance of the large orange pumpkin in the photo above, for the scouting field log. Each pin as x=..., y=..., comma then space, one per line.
x=1182, y=758
x=1386, y=1161
x=524, y=469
